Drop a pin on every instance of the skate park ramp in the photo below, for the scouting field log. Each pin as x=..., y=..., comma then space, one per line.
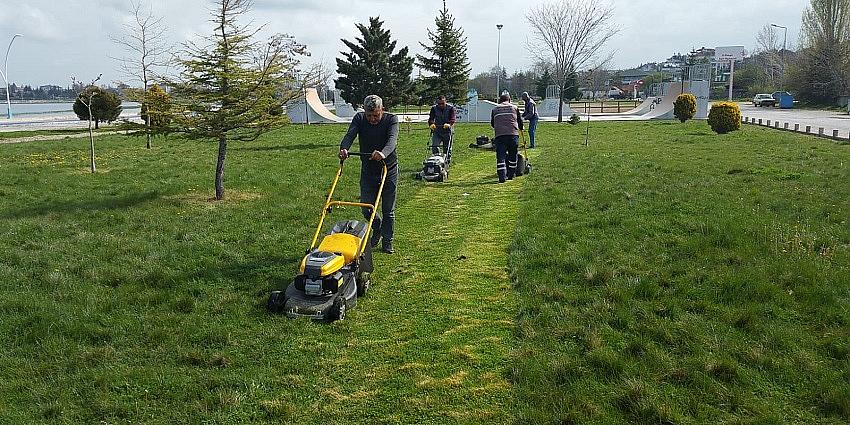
x=309, y=109
x=663, y=105
x=475, y=111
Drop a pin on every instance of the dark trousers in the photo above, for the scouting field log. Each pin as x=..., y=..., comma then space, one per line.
x=506, y=156
x=370, y=182
x=437, y=138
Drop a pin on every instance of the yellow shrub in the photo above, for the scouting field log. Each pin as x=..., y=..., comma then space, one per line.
x=724, y=117
x=685, y=107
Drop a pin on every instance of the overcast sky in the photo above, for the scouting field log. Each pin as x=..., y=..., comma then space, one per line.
x=71, y=37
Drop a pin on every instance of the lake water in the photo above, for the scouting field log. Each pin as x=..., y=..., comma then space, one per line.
x=59, y=108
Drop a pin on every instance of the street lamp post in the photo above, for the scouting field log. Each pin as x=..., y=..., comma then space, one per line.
x=5, y=74
x=784, y=47
x=499, y=62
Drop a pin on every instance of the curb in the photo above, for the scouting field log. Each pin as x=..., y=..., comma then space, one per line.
x=797, y=128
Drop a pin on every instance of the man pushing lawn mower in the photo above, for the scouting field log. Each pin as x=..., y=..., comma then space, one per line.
x=442, y=121
x=435, y=168
x=377, y=133
x=507, y=123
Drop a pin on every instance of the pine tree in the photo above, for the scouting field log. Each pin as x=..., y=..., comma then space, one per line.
x=234, y=88
x=156, y=112
x=371, y=67
x=447, y=62
x=543, y=83
x=105, y=105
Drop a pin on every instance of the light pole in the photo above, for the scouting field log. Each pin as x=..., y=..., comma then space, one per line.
x=499, y=63
x=5, y=74
x=784, y=47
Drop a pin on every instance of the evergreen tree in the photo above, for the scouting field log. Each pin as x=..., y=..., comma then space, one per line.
x=543, y=83
x=232, y=87
x=371, y=67
x=571, y=91
x=447, y=62
x=156, y=113
x=105, y=105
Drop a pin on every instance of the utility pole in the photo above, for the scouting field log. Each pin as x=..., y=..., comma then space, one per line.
x=499, y=63
x=784, y=48
x=5, y=74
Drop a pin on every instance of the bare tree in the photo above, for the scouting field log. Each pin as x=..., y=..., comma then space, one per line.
x=822, y=74
x=87, y=101
x=570, y=35
x=768, y=47
x=146, y=54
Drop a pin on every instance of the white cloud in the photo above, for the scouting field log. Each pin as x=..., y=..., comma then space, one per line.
x=72, y=36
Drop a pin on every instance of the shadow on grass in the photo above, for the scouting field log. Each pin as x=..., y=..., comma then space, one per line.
x=68, y=207
x=298, y=147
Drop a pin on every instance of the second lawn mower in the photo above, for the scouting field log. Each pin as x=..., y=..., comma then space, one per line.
x=435, y=168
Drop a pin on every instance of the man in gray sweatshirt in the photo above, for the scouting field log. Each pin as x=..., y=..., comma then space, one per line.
x=532, y=117
x=377, y=132
x=507, y=123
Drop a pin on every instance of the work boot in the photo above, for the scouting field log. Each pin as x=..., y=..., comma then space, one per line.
x=388, y=247
x=375, y=239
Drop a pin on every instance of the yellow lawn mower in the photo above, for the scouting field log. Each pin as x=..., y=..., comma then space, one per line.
x=334, y=273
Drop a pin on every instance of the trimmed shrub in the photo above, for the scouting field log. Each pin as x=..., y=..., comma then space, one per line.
x=724, y=117
x=685, y=107
x=575, y=119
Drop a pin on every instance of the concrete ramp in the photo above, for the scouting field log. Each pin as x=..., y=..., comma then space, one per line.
x=661, y=108
x=548, y=108
x=475, y=111
x=309, y=109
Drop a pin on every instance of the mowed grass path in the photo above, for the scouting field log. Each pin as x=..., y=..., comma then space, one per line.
x=127, y=297
x=670, y=275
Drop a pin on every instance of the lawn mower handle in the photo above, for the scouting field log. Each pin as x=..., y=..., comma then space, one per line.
x=360, y=154
x=330, y=203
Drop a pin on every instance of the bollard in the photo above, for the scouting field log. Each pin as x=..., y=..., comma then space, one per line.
x=820, y=131
x=796, y=127
x=776, y=124
x=768, y=123
x=808, y=129
x=786, y=126
x=752, y=120
x=835, y=134
x=759, y=121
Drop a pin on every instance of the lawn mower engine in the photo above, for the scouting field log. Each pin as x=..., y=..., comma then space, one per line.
x=434, y=169
x=328, y=283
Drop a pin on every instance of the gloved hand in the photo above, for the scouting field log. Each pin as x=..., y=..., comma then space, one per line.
x=433, y=126
x=446, y=126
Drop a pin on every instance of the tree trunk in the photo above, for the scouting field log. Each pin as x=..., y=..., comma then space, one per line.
x=219, y=168
x=96, y=124
x=91, y=140
x=561, y=105
x=148, y=127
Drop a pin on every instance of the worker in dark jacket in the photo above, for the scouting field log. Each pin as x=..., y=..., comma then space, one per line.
x=532, y=117
x=442, y=121
x=377, y=132
x=507, y=123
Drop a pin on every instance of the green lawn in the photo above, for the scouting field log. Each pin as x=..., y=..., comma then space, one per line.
x=669, y=275
x=662, y=274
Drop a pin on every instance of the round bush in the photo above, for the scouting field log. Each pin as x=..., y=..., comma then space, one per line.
x=685, y=107
x=724, y=117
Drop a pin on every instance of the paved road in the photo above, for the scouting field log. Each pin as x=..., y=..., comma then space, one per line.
x=827, y=119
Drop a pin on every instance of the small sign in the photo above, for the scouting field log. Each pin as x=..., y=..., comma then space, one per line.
x=729, y=53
